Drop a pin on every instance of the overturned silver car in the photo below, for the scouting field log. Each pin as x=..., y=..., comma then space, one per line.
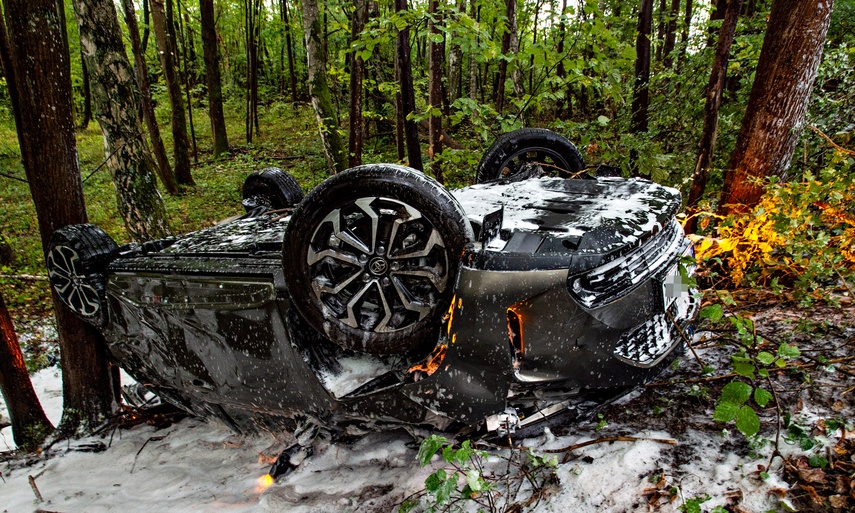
x=383, y=299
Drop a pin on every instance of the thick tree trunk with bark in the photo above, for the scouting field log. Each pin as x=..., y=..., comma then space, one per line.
x=435, y=96
x=408, y=96
x=711, y=108
x=116, y=100
x=773, y=122
x=164, y=168
x=684, y=36
x=180, y=143
x=30, y=425
x=49, y=154
x=186, y=73
x=211, y=54
x=357, y=70
x=319, y=89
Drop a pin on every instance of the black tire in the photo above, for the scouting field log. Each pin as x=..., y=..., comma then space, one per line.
x=507, y=157
x=355, y=278
x=272, y=188
x=78, y=256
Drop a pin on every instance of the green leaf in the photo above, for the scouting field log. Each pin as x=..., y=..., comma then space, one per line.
x=725, y=412
x=473, y=480
x=449, y=486
x=788, y=351
x=763, y=373
x=435, y=480
x=762, y=396
x=735, y=392
x=712, y=312
x=765, y=357
x=744, y=369
x=603, y=120
x=747, y=421
x=464, y=454
x=428, y=448
x=818, y=461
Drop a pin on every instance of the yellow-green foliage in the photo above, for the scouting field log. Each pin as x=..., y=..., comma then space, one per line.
x=802, y=234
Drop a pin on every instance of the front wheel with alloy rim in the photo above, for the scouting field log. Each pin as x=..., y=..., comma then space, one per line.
x=371, y=257
x=529, y=153
x=77, y=261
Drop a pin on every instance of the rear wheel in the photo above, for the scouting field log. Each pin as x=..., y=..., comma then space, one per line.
x=77, y=261
x=272, y=189
x=371, y=257
x=527, y=153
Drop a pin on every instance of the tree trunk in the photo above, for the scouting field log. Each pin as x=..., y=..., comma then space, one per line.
x=146, y=31
x=211, y=54
x=164, y=169
x=773, y=122
x=186, y=72
x=660, y=29
x=180, y=143
x=473, y=61
x=30, y=425
x=510, y=13
x=455, y=61
x=87, y=94
x=562, y=104
x=49, y=155
x=641, y=87
x=357, y=70
x=711, y=108
x=408, y=95
x=251, y=23
x=513, y=49
x=115, y=99
x=684, y=37
x=671, y=33
x=289, y=46
x=435, y=96
x=319, y=89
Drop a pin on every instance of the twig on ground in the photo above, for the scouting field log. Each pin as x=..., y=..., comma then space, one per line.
x=605, y=439
x=151, y=439
x=35, y=489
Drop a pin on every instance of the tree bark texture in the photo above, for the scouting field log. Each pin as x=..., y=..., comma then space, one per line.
x=641, y=88
x=115, y=100
x=408, y=95
x=30, y=425
x=357, y=69
x=252, y=9
x=773, y=122
x=49, y=154
x=186, y=74
x=671, y=33
x=684, y=36
x=435, y=96
x=164, y=168
x=289, y=46
x=455, y=61
x=711, y=107
x=87, y=94
x=180, y=143
x=319, y=89
x=210, y=51
x=510, y=13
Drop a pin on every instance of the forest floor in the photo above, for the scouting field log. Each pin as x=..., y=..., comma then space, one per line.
x=657, y=449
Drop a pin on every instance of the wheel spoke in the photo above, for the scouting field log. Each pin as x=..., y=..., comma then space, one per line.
x=350, y=320
x=414, y=306
x=434, y=240
x=431, y=273
x=316, y=256
x=320, y=287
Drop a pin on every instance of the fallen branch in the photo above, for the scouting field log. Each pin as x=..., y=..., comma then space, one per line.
x=605, y=439
x=35, y=489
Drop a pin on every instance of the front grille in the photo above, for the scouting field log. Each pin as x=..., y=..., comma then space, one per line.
x=645, y=345
x=613, y=280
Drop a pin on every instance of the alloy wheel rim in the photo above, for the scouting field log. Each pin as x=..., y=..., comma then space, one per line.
x=65, y=271
x=377, y=264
